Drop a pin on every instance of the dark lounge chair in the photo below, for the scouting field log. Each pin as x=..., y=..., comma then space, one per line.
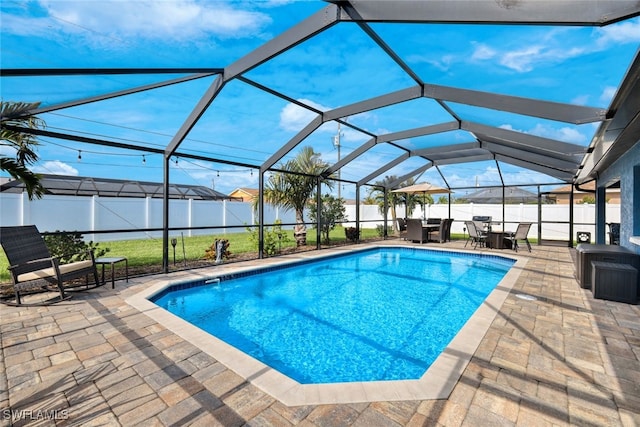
x=34, y=270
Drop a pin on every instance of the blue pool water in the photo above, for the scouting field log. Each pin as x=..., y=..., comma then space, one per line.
x=377, y=314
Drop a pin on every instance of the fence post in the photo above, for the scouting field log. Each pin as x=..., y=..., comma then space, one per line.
x=224, y=216
x=190, y=216
x=94, y=215
x=24, y=208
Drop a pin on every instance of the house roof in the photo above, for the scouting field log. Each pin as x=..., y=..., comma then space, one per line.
x=253, y=192
x=105, y=187
x=494, y=195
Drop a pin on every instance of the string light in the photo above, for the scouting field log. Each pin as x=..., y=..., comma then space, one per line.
x=79, y=155
x=144, y=160
x=217, y=173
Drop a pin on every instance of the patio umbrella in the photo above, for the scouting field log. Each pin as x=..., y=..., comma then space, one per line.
x=424, y=188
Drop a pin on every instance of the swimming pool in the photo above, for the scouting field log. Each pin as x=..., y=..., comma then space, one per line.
x=443, y=368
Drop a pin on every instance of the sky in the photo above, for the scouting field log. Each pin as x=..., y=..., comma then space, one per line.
x=246, y=126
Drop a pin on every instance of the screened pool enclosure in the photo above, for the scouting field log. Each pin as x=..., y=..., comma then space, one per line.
x=463, y=94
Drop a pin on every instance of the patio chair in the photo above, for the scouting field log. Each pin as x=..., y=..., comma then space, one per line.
x=614, y=233
x=415, y=231
x=521, y=233
x=482, y=222
x=34, y=270
x=402, y=227
x=443, y=233
x=476, y=235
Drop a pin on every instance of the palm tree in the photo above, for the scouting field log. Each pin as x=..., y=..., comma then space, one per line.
x=17, y=114
x=292, y=188
x=393, y=199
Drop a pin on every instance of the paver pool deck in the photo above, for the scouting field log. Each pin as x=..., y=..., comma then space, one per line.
x=561, y=358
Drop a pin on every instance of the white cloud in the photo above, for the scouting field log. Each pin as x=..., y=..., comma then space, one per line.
x=56, y=167
x=294, y=118
x=176, y=20
x=566, y=134
x=482, y=52
x=526, y=59
x=620, y=33
x=608, y=93
x=580, y=100
x=551, y=47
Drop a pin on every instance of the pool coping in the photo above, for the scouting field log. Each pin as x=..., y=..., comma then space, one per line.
x=436, y=383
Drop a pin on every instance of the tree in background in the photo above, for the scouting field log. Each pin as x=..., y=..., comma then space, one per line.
x=393, y=199
x=332, y=211
x=16, y=114
x=295, y=185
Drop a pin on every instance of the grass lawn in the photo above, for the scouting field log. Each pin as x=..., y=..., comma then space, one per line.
x=148, y=252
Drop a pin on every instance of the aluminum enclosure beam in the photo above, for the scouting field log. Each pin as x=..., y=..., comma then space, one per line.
x=564, y=176
x=206, y=100
x=316, y=23
x=395, y=136
x=543, y=12
x=414, y=172
x=454, y=160
x=353, y=155
x=532, y=157
x=383, y=169
x=421, y=131
x=40, y=72
x=117, y=94
x=353, y=14
x=536, y=142
x=293, y=142
x=616, y=136
x=445, y=149
x=568, y=113
x=385, y=100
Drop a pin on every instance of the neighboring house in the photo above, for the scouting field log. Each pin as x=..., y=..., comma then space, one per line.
x=494, y=195
x=246, y=194
x=562, y=194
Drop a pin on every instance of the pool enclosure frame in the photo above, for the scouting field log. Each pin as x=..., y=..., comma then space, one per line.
x=570, y=163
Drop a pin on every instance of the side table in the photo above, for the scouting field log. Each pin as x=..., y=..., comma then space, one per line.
x=112, y=261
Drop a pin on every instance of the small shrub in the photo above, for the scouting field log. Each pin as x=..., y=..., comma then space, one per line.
x=351, y=233
x=380, y=230
x=70, y=247
x=273, y=239
x=210, y=252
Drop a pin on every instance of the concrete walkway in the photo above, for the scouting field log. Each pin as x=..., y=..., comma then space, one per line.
x=562, y=358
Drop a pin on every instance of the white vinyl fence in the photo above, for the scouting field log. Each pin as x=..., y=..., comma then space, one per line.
x=69, y=213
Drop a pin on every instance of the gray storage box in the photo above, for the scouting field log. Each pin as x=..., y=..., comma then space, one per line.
x=586, y=253
x=614, y=282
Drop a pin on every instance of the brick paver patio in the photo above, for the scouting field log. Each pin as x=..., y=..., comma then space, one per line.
x=562, y=358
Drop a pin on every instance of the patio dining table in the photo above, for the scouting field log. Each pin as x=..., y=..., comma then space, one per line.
x=496, y=239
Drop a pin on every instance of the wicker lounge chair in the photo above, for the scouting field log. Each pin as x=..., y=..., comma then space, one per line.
x=34, y=270
x=443, y=233
x=402, y=227
x=415, y=231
